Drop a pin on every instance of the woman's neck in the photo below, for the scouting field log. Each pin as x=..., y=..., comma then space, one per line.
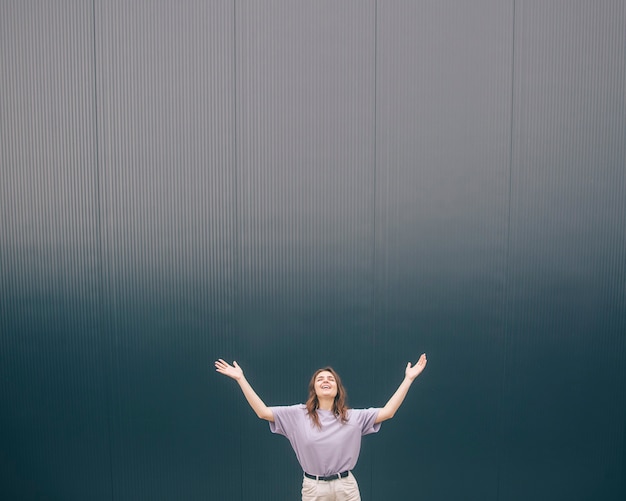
x=326, y=404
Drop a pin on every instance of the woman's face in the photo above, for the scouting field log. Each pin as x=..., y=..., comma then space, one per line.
x=325, y=385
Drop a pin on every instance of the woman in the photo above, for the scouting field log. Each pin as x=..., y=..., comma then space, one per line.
x=324, y=433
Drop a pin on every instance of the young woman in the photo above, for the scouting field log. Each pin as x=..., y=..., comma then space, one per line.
x=324, y=433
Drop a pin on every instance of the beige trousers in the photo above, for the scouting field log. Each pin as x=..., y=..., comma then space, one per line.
x=342, y=489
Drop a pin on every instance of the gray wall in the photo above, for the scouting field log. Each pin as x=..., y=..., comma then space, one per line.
x=292, y=184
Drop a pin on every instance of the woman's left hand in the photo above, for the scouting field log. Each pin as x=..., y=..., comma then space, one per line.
x=412, y=372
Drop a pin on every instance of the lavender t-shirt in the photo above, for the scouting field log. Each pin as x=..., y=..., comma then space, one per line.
x=333, y=448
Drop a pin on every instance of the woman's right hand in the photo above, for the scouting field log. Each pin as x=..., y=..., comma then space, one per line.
x=225, y=368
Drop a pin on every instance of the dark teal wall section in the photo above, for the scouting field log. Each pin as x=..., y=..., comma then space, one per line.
x=169, y=242
x=442, y=169
x=295, y=184
x=564, y=384
x=54, y=411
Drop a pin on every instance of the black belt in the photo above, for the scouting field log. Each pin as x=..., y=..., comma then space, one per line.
x=343, y=474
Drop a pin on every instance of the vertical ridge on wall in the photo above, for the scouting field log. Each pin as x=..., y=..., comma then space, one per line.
x=51, y=364
x=500, y=448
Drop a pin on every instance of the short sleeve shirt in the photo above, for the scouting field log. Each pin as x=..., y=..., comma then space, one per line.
x=333, y=448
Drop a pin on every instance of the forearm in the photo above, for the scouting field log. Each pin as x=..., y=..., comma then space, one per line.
x=394, y=403
x=258, y=406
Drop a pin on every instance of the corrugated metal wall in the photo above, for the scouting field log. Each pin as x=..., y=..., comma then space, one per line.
x=565, y=380
x=443, y=170
x=293, y=184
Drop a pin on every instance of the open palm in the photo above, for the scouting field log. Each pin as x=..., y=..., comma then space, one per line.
x=413, y=371
x=225, y=368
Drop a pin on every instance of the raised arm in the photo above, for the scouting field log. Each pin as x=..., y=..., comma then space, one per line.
x=236, y=373
x=411, y=372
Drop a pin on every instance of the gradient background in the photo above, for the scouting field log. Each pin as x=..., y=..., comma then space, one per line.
x=295, y=183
